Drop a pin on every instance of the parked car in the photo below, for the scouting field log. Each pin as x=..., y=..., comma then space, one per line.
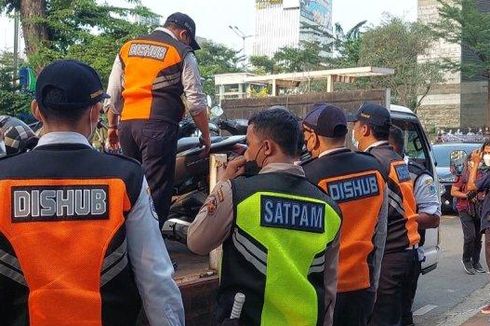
x=442, y=154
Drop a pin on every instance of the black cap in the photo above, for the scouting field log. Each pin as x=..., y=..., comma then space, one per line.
x=79, y=83
x=327, y=120
x=373, y=114
x=186, y=22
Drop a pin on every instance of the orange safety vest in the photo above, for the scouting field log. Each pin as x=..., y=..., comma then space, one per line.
x=402, y=216
x=355, y=182
x=153, y=77
x=62, y=240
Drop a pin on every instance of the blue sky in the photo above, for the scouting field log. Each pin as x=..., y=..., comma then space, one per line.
x=214, y=16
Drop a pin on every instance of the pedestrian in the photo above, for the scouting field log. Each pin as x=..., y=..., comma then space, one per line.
x=149, y=76
x=356, y=182
x=469, y=215
x=77, y=233
x=370, y=134
x=279, y=231
x=482, y=184
x=428, y=215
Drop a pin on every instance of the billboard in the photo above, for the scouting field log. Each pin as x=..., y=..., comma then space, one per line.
x=261, y=4
x=318, y=12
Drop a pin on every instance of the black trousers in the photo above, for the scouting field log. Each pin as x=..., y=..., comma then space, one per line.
x=397, y=273
x=353, y=308
x=472, y=237
x=154, y=144
x=409, y=295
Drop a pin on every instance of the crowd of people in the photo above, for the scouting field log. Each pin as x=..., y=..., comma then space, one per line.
x=336, y=240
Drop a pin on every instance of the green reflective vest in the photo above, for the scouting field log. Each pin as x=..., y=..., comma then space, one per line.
x=276, y=253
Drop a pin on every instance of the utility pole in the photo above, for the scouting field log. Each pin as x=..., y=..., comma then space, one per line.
x=16, y=47
x=241, y=35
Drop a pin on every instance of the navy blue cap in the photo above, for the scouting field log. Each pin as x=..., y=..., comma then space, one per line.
x=327, y=120
x=79, y=84
x=373, y=114
x=186, y=22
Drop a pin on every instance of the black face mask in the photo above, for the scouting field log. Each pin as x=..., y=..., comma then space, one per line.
x=251, y=167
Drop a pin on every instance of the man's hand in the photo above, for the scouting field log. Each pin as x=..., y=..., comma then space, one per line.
x=113, y=139
x=476, y=157
x=206, y=142
x=234, y=168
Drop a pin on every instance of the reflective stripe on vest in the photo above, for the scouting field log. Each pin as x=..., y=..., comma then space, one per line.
x=360, y=198
x=144, y=61
x=404, y=205
x=294, y=230
x=60, y=231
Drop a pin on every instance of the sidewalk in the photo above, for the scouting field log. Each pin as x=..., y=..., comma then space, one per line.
x=467, y=313
x=478, y=320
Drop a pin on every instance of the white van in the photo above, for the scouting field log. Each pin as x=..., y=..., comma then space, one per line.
x=417, y=147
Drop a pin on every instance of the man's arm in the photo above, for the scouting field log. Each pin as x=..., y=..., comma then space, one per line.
x=330, y=279
x=213, y=223
x=151, y=264
x=191, y=80
x=456, y=189
x=428, y=203
x=380, y=239
x=113, y=105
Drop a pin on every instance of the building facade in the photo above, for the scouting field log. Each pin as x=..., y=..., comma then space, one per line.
x=281, y=23
x=460, y=101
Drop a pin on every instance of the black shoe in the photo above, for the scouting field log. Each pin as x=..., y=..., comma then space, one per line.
x=479, y=268
x=468, y=267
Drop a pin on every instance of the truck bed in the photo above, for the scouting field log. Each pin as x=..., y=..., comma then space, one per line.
x=197, y=283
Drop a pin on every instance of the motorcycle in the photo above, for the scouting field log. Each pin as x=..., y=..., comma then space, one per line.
x=191, y=185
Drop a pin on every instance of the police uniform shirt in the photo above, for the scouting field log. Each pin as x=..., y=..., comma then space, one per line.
x=146, y=250
x=213, y=225
x=426, y=196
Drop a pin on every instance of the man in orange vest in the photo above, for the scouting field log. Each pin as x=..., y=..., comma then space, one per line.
x=358, y=185
x=79, y=242
x=370, y=134
x=149, y=77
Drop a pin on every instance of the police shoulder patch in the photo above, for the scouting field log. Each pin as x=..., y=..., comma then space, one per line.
x=402, y=172
x=294, y=214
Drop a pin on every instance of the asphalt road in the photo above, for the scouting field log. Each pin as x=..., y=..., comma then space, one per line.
x=447, y=286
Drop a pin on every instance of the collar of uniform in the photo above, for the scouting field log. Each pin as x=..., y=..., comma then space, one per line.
x=166, y=30
x=63, y=137
x=283, y=167
x=331, y=151
x=376, y=144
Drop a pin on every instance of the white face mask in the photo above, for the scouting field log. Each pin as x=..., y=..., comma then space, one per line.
x=92, y=127
x=355, y=142
x=486, y=159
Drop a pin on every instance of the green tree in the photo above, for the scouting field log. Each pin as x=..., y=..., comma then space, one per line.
x=467, y=22
x=82, y=29
x=397, y=44
x=215, y=59
x=12, y=101
x=307, y=57
x=347, y=45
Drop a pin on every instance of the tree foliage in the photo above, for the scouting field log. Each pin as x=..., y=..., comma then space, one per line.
x=12, y=101
x=397, y=44
x=215, y=59
x=463, y=22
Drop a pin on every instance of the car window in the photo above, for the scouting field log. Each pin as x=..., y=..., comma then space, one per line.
x=414, y=144
x=442, y=153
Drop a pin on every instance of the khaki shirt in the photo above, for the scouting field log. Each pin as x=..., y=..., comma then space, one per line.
x=213, y=225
